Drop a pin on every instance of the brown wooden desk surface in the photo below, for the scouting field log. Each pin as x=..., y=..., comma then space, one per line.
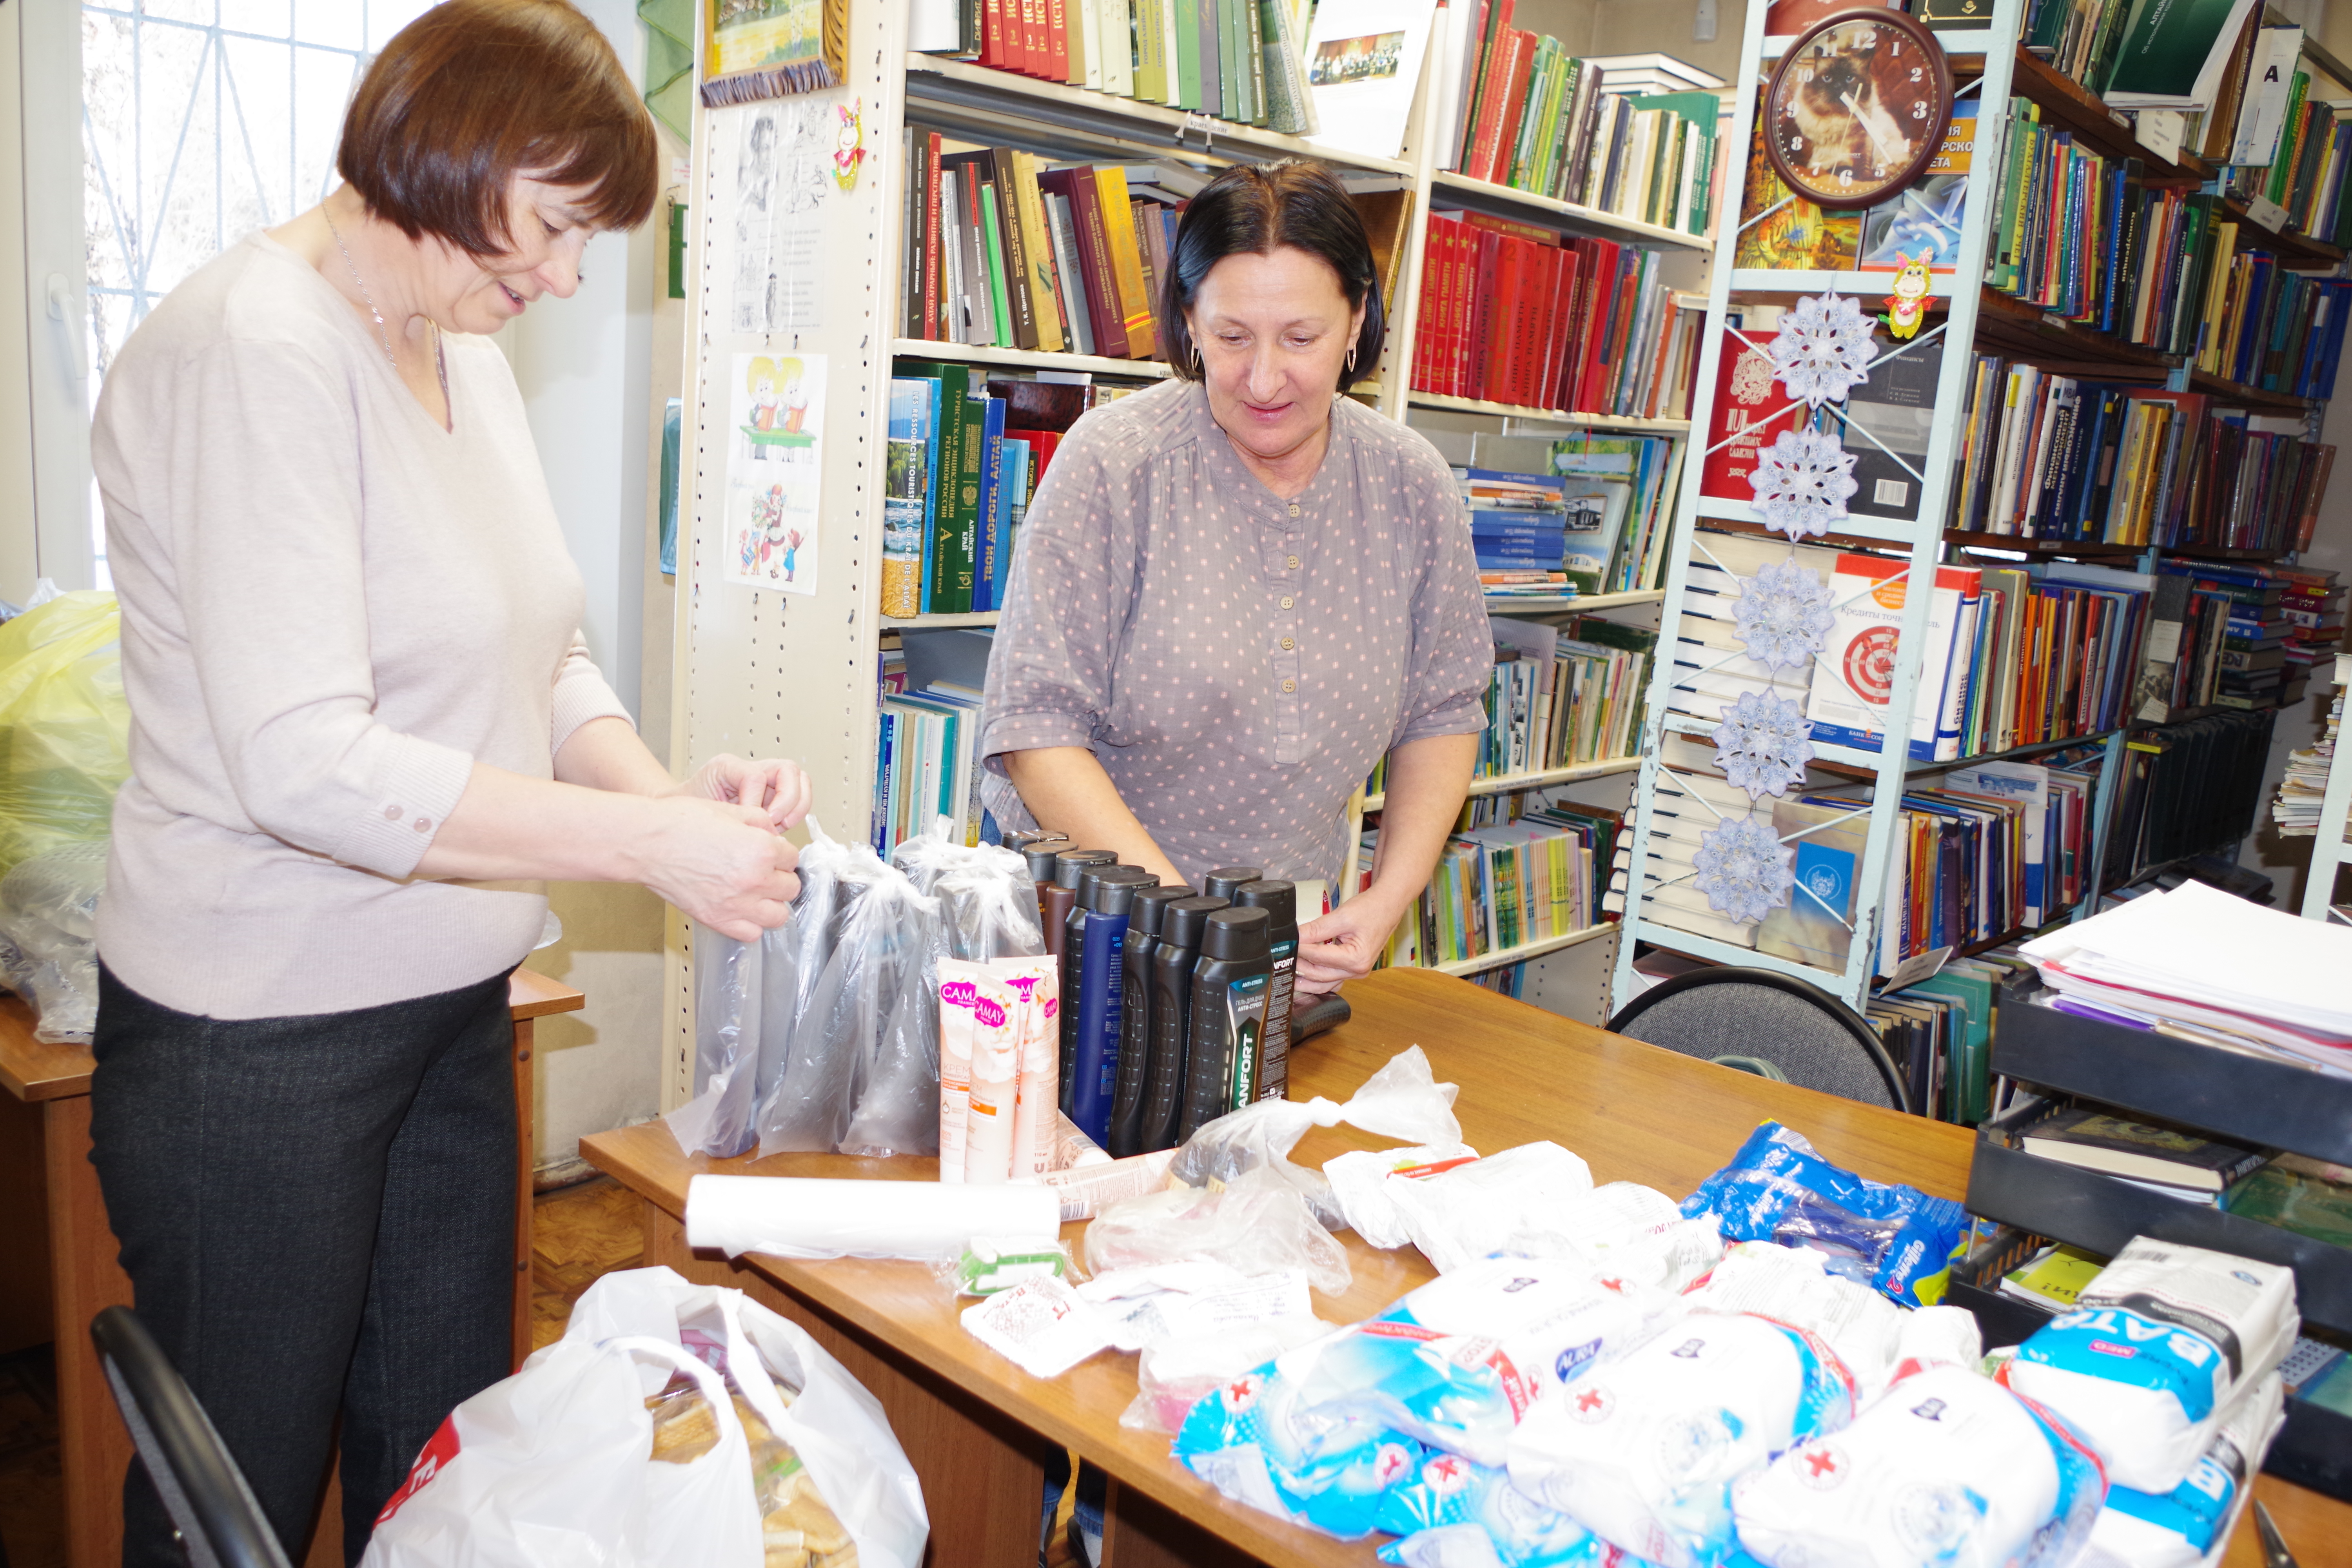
x=1633, y=1111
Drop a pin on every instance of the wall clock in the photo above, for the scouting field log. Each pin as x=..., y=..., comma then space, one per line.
x=1857, y=108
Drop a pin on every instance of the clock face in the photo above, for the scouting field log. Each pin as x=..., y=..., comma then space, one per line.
x=1858, y=108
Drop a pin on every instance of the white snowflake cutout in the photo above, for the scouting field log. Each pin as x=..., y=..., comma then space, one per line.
x=1783, y=615
x=1744, y=870
x=1763, y=743
x=1823, y=350
x=1801, y=482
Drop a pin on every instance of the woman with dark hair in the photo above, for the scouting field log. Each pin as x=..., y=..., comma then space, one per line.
x=362, y=725
x=1235, y=591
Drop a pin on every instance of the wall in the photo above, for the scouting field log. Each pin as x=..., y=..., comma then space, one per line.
x=585, y=366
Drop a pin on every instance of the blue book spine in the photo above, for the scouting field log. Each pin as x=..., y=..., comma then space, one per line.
x=992, y=491
x=1095, y=1073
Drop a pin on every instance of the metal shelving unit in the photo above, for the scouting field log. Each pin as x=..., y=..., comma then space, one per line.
x=2328, y=850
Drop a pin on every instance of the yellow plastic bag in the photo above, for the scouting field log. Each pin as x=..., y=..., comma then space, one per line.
x=63, y=725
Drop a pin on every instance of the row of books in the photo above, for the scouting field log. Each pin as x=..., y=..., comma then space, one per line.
x=1569, y=514
x=1513, y=313
x=964, y=454
x=1241, y=60
x=1503, y=885
x=2307, y=175
x=926, y=760
x=2186, y=789
x=2268, y=328
x=1523, y=112
x=1005, y=249
x=1938, y=1032
x=2044, y=455
x=2249, y=634
x=1993, y=849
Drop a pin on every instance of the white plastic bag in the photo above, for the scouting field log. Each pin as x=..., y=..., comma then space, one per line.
x=1258, y=1224
x=553, y=1466
x=1475, y=1210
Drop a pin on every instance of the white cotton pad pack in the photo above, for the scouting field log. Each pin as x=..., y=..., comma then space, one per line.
x=2192, y=1522
x=2157, y=1347
x=1948, y=1469
x=1642, y=1449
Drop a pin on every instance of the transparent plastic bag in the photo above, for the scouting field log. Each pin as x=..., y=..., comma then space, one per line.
x=986, y=896
x=1258, y=1224
x=795, y=956
x=48, y=943
x=814, y=1071
x=63, y=725
x=727, y=1026
x=1402, y=1100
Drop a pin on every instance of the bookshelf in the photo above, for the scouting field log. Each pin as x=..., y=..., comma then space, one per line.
x=1974, y=319
x=2329, y=853
x=771, y=673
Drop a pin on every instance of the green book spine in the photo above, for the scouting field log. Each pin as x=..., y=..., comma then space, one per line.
x=993, y=253
x=1247, y=22
x=1515, y=165
x=2274, y=185
x=963, y=554
x=942, y=506
x=1188, y=52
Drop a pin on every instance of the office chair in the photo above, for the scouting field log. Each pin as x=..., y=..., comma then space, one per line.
x=219, y=1522
x=1755, y=1019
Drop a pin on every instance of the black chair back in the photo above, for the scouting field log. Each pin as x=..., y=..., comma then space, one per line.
x=1814, y=1039
x=219, y=1522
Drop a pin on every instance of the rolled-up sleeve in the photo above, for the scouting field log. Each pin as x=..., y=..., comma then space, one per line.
x=272, y=582
x=1066, y=609
x=1452, y=657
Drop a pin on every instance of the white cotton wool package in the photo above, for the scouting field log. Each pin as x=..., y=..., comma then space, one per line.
x=1643, y=1449
x=1788, y=1285
x=2155, y=1349
x=1474, y=1210
x=1946, y=1469
x=2192, y=1523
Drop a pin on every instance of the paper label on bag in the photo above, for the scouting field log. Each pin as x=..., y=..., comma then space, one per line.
x=1041, y=1326
x=1155, y=1317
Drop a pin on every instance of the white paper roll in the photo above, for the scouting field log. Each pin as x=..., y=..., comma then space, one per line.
x=800, y=1217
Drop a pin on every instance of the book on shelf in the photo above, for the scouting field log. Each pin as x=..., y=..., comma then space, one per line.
x=1517, y=314
x=1614, y=495
x=1149, y=50
x=2097, y=1140
x=926, y=765
x=2052, y=1278
x=2188, y=788
x=1782, y=232
x=1508, y=877
x=1363, y=67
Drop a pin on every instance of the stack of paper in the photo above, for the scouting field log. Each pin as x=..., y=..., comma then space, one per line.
x=2296, y=809
x=2218, y=965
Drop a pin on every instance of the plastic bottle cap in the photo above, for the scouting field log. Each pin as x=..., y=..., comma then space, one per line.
x=1069, y=864
x=1020, y=840
x=1109, y=890
x=1150, y=904
x=1182, y=925
x=1241, y=934
x=1278, y=900
x=1221, y=884
x=1040, y=859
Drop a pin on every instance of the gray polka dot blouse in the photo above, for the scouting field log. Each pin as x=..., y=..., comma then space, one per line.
x=1237, y=662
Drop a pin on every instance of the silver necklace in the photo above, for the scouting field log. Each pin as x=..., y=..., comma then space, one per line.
x=382, y=335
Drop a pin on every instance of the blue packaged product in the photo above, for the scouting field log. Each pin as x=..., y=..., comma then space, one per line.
x=1452, y=1366
x=1898, y=1240
x=1454, y=1511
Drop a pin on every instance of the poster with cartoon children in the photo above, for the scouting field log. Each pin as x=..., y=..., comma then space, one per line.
x=775, y=450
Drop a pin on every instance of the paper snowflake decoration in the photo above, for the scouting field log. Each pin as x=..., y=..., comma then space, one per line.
x=1763, y=743
x=1801, y=482
x=1824, y=348
x=1783, y=615
x=1743, y=869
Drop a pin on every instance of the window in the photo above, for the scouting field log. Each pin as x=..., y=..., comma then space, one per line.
x=202, y=120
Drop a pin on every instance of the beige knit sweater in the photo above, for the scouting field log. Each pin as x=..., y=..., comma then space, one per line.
x=332, y=608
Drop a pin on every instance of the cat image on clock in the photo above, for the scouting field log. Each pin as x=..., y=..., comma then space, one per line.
x=1839, y=110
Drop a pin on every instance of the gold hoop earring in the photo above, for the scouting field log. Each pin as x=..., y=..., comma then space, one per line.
x=1198, y=368
x=1352, y=360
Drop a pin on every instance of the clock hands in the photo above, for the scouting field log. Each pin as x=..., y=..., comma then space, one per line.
x=1877, y=141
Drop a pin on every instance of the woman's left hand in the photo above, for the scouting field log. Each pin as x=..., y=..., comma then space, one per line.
x=1344, y=944
x=773, y=784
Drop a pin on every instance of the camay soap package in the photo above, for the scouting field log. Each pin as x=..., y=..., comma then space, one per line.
x=2192, y=1522
x=1642, y=1449
x=2156, y=1346
x=1947, y=1468
x=1898, y=1240
x=1319, y=1433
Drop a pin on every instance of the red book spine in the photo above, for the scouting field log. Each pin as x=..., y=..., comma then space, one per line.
x=1494, y=102
x=1521, y=62
x=1423, y=341
x=1563, y=319
x=1058, y=41
x=1542, y=326
x=1483, y=284
x=1032, y=38
x=1593, y=280
x=1465, y=304
x=1100, y=285
x=992, y=34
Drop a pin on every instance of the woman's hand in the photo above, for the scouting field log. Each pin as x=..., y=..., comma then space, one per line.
x=721, y=863
x=776, y=787
x=1344, y=944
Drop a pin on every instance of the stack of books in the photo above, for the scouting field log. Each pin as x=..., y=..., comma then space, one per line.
x=1518, y=526
x=2044, y=455
x=2304, y=175
x=1618, y=495
x=1938, y=1032
x=1513, y=313
x=2053, y=1279
x=2304, y=781
x=964, y=455
x=2314, y=603
x=2246, y=634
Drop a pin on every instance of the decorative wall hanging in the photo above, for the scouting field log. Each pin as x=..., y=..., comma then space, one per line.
x=1783, y=615
x=1763, y=743
x=1824, y=348
x=1801, y=482
x=1744, y=869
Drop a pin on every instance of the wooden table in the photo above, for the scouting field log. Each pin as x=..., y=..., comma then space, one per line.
x=52, y=1213
x=977, y=1428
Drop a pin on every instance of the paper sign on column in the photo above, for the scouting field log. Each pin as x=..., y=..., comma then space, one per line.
x=775, y=432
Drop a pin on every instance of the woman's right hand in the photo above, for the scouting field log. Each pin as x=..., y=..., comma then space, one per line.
x=721, y=863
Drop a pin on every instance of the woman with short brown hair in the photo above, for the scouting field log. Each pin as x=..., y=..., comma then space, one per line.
x=363, y=725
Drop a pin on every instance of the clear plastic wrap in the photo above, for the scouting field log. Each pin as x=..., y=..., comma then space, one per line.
x=63, y=725
x=987, y=900
x=897, y=935
x=48, y=944
x=807, y=1109
x=1258, y=1224
x=728, y=1020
